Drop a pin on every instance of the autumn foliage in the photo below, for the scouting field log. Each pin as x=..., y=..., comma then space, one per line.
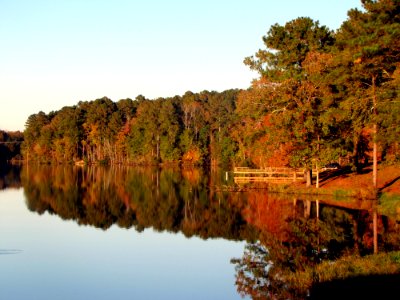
x=320, y=96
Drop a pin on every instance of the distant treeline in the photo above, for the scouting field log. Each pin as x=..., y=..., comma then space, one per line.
x=321, y=96
x=193, y=128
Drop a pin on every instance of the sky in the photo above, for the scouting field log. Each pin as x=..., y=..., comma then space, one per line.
x=55, y=53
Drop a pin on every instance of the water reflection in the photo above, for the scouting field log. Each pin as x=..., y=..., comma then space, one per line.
x=306, y=246
x=174, y=200
x=9, y=176
x=298, y=247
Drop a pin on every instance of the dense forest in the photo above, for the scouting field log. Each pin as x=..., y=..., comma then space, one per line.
x=320, y=96
x=192, y=128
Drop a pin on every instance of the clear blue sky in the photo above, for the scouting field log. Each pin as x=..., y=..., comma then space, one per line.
x=55, y=53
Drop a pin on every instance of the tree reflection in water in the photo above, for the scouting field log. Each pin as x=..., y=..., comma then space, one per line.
x=175, y=200
x=305, y=244
x=9, y=176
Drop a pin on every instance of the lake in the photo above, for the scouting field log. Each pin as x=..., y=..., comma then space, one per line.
x=142, y=233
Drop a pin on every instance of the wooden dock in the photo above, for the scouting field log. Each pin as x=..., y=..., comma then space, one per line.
x=271, y=174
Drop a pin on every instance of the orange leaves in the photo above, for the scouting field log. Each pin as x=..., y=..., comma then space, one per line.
x=256, y=99
x=268, y=213
x=317, y=62
x=193, y=155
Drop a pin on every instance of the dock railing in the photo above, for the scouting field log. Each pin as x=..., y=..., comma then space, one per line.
x=270, y=174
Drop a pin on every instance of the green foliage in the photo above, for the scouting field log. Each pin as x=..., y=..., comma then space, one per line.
x=287, y=48
x=292, y=65
x=366, y=61
x=229, y=148
x=389, y=204
x=350, y=267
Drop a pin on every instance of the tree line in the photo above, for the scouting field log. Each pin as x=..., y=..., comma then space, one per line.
x=320, y=96
x=192, y=128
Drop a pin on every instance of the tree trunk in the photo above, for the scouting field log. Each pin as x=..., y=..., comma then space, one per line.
x=375, y=230
x=375, y=160
x=375, y=134
x=158, y=148
x=308, y=175
x=356, y=164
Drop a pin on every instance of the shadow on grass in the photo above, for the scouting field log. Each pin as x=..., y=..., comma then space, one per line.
x=389, y=183
x=363, y=287
x=330, y=175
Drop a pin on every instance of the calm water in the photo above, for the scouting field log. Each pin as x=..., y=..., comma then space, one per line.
x=130, y=233
x=44, y=255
